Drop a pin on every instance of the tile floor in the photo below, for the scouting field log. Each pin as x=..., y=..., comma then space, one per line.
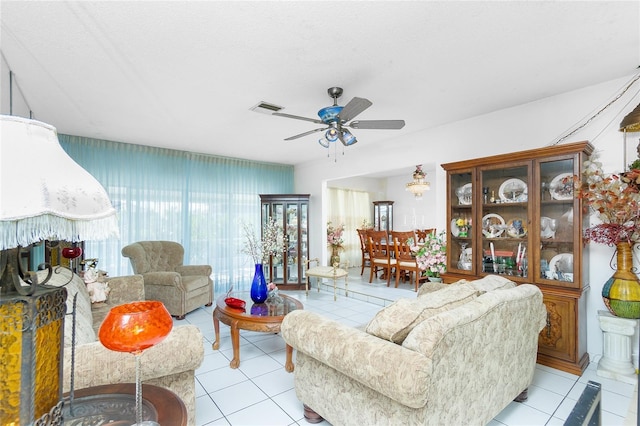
x=260, y=391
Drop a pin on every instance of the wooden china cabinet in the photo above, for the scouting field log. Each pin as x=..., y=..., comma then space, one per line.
x=515, y=214
x=291, y=211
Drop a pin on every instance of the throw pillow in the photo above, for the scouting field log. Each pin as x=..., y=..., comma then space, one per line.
x=396, y=321
x=84, y=317
x=429, y=287
x=492, y=282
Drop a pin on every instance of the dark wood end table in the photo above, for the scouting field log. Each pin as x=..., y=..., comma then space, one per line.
x=264, y=317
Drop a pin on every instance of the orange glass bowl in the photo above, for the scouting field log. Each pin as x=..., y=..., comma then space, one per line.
x=134, y=327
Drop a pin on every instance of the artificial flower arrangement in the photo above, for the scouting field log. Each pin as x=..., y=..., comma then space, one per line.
x=272, y=243
x=366, y=224
x=271, y=287
x=273, y=297
x=334, y=235
x=463, y=226
x=432, y=256
x=616, y=199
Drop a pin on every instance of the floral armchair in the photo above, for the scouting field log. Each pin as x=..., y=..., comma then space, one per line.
x=182, y=288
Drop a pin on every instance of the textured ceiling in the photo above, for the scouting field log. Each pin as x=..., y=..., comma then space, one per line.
x=183, y=74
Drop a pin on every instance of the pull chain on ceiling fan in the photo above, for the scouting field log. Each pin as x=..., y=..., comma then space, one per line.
x=336, y=119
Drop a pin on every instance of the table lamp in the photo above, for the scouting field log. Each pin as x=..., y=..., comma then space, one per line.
x=134, y=327
x=44, y=195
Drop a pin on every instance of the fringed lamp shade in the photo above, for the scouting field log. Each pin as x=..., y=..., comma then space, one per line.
x=44, y=194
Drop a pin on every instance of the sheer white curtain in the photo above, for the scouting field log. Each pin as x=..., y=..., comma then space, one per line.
x=351, y=208
x=195, y=199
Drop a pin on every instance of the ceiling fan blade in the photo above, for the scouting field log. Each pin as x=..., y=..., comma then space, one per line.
x=305, y=134
x=377, y=124
x=353, y=108
x=297, y=117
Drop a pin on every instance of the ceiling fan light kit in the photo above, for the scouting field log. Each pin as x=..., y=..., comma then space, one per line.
x=336, y=119
x=331, y=135
x=330, y=113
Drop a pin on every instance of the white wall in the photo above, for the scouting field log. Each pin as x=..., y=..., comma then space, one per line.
x=409, y=213
x=527, y=126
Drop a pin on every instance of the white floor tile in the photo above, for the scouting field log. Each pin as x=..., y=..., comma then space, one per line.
x=621, y=388
x=212, y=361
x=289, y=402
x=280, y=356
x=564, y=409
x=237, y=397
x=275, y=382
x=552, y=382
x=610, y=419
x=543, y=400
x=267, y=412
x=615, y=403
x=518, y=414
x=207, y=411
x=271, y=344
x=259, y=365
x=221, y=378
x=555, y=422
x=200, y=391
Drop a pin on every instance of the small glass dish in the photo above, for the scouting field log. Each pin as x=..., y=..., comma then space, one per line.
x=232, y=302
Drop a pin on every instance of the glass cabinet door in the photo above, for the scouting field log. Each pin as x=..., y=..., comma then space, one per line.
x=292, y=241
x=276, y=271
x=460, y=230
x=557, y=231
x=303, y=253
x=505, y=221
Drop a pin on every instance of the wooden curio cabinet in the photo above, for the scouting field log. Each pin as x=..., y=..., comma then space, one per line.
x=291, y=211
x=515, y=215
x=383, y=216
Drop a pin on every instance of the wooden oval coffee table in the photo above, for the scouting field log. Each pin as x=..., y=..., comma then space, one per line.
x=264, y=317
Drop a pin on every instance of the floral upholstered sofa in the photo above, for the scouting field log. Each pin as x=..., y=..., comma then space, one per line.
x=457, y=354
x=170, y=364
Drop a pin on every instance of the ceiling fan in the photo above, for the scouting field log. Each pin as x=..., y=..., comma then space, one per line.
x=336, y=119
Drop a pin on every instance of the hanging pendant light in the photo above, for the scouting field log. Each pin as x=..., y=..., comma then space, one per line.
x=629, y=124
x=419, y=184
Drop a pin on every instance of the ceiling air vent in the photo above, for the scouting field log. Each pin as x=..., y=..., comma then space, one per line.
x=266, y=108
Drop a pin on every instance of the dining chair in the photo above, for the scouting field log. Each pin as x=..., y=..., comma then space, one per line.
x=362, y=233
x=380, y=254
x=405, y=261
x=421, y=234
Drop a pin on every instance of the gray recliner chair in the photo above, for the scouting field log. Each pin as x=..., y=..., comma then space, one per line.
x=182, y=288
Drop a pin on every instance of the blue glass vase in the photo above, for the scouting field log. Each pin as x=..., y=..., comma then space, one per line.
x=259, y=291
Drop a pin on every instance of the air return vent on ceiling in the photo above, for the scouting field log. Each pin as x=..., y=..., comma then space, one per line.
x=266, y=108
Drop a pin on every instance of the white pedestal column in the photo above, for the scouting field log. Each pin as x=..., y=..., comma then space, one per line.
x=616, y=362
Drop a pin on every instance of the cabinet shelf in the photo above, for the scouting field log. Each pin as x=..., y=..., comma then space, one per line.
x=557, y=265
